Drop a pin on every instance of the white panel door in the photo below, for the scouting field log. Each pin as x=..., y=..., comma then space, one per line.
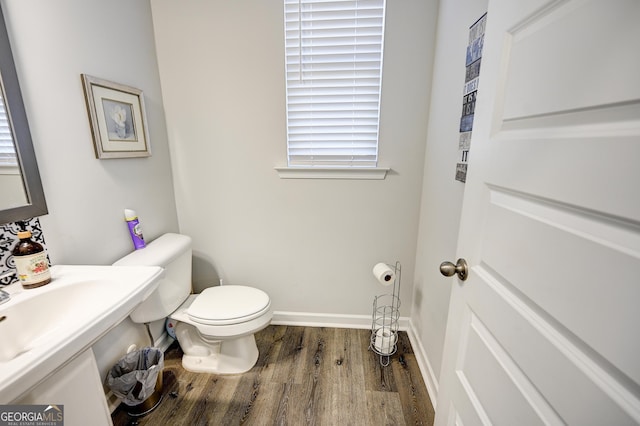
x=545, y=329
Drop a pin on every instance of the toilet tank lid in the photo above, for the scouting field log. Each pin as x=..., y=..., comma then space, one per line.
x=160, y=252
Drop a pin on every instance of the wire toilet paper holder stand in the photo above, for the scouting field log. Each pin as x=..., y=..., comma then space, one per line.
x=384, y=320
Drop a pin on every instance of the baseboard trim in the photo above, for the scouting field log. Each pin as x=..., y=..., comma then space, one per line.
x=428, y=375
x=306, y=319
x=163, y=342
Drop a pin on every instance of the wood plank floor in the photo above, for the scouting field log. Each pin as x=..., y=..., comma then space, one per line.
x=304, y=376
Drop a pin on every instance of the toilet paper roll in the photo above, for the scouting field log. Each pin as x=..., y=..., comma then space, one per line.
x=385, y=341
x=384, y=274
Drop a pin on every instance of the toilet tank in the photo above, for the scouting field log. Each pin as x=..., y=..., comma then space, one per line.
x=173, y=253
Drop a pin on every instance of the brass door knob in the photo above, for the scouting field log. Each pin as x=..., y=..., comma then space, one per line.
x=448, y=269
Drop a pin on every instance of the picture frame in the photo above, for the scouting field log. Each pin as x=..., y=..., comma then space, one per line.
x=117, y=117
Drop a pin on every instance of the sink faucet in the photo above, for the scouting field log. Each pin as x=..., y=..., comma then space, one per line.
x=4, y=296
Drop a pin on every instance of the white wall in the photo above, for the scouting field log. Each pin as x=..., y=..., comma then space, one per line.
x=53, y=43
x=310, y=244
x=441, y=193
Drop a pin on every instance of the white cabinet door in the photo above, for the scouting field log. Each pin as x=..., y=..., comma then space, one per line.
x=545, y=329
x=78, y=387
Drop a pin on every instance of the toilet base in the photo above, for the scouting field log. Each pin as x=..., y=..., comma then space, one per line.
x=232, y=356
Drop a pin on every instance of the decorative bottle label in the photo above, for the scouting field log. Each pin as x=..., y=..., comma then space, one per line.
x=33, y=269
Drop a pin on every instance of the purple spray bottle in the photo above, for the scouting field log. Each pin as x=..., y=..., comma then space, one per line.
x=135, y=229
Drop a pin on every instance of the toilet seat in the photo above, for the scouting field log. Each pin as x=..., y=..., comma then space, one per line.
x=226, y=328
x=229, y=304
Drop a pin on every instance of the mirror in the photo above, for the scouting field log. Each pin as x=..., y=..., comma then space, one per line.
x=21, y=195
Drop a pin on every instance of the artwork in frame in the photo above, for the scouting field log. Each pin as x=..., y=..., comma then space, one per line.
x=117, y=117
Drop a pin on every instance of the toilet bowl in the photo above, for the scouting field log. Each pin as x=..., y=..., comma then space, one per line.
x=215, y=328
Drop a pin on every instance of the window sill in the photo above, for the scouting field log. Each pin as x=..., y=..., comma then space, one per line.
x=9, y=170
x=371, y=173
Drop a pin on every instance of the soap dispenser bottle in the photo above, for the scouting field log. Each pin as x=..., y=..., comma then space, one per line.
x=31, y=261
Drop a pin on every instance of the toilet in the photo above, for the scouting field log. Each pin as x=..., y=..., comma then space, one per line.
x=215, y=328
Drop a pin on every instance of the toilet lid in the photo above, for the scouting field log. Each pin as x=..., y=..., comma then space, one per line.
x=228, y=304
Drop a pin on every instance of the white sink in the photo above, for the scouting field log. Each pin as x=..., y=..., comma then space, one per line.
x=43, y=328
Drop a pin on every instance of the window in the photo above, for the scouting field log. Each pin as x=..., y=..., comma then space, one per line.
x=333, y=80
x=7, y=150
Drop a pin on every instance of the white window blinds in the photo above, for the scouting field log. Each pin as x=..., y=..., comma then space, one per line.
x=7, y=150
x=334, y=72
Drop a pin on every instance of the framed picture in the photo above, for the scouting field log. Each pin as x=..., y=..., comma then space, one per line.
x=117, y=118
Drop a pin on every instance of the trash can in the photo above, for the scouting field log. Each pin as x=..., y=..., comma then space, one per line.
x=137, y=379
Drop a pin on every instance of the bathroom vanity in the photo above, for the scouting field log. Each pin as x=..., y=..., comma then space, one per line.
x=46, y=356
